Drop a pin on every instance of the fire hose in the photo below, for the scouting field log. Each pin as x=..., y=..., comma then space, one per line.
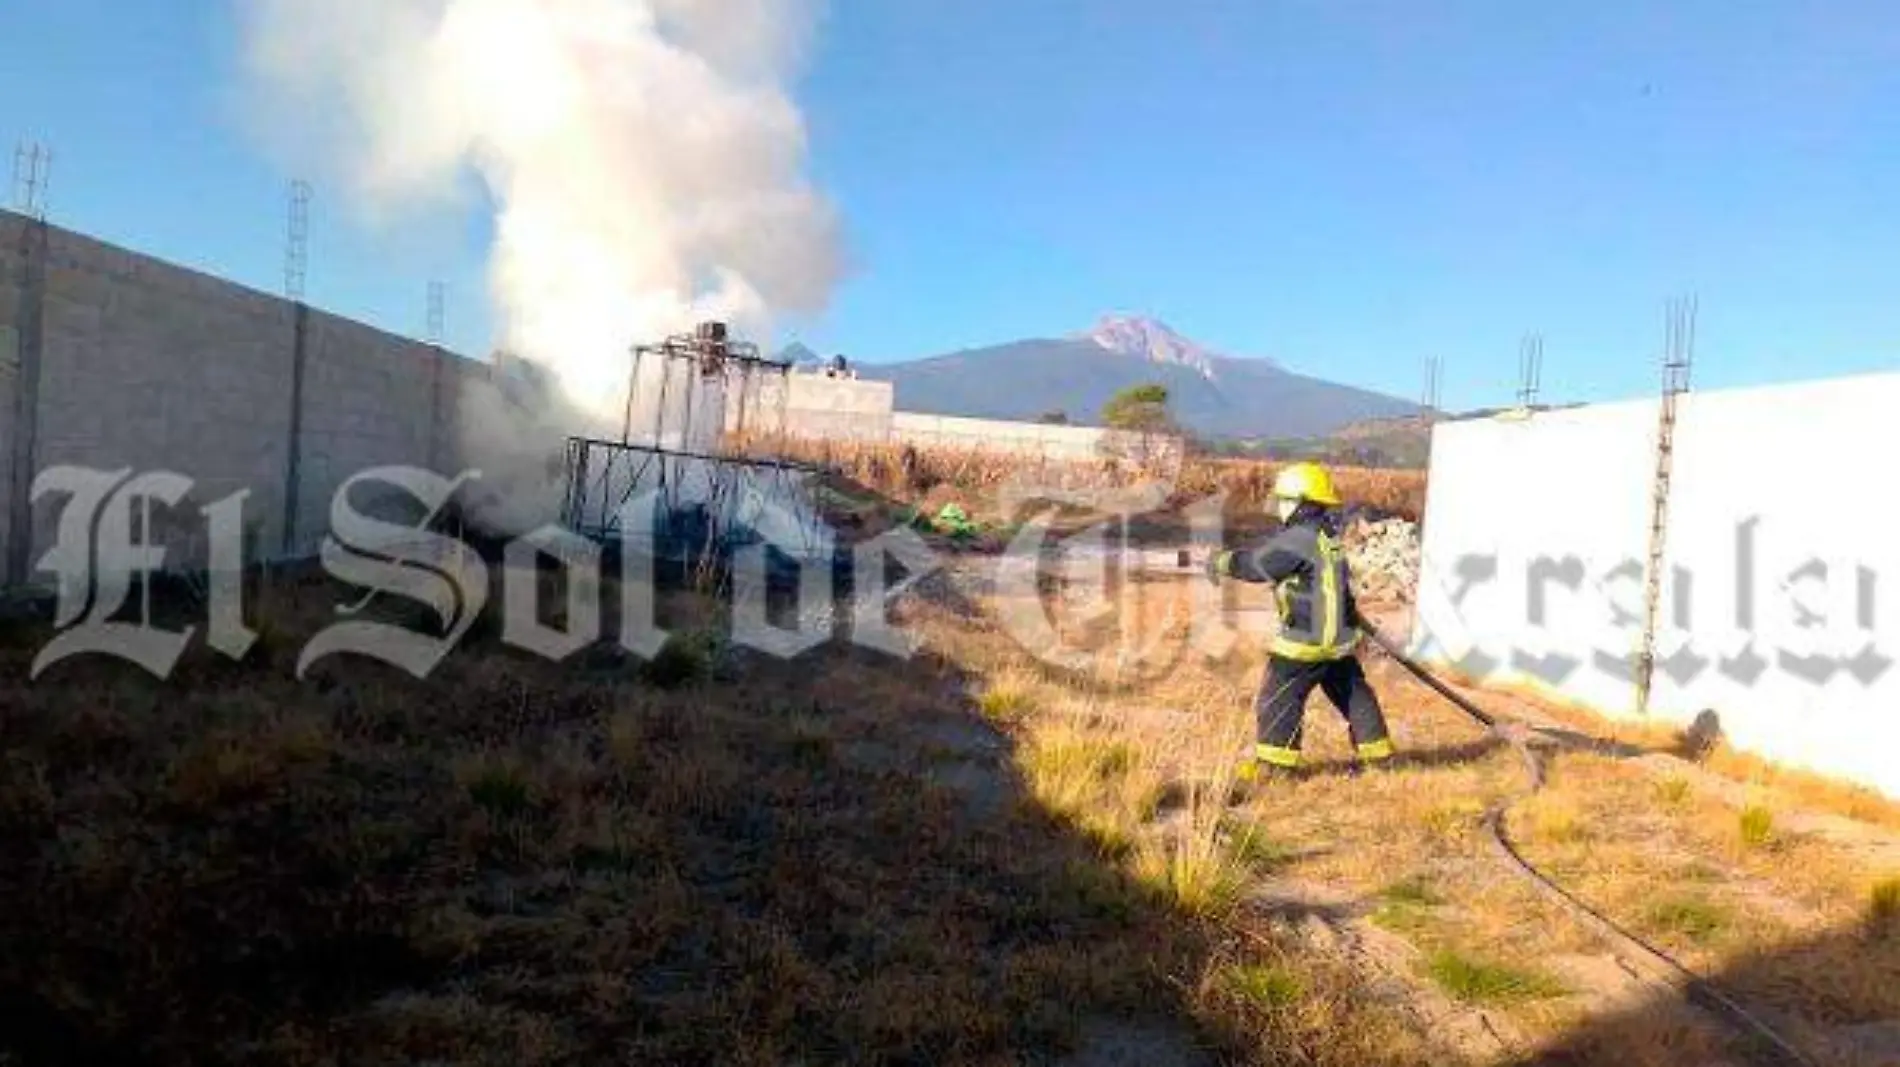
x=1775, y=1048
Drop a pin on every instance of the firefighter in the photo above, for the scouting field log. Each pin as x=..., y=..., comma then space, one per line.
x=1319, y=625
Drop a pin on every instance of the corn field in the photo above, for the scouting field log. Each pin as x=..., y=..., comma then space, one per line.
x=907, y=472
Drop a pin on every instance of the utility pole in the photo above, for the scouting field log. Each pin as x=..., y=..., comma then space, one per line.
x=296, y=269
x=297, y=242
x=32, y=177
x=1679, y=324
x=1530, y=370
x=437, y=327
x=438, y=313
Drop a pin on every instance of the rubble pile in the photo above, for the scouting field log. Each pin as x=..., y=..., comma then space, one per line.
x=1384, y=559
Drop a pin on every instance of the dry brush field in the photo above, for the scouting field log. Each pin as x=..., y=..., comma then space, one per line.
x=967, y=856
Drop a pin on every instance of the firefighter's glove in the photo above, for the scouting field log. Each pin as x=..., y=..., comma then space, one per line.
x=1219, y=565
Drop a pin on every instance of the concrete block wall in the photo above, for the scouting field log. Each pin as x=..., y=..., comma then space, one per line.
x=815, y=405
x=145, y=365
x=15, y=235
x=1779, y=576
x=370, y=399
x=1069, y=443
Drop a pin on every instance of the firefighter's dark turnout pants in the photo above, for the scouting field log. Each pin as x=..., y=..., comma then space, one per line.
x=1315, y=648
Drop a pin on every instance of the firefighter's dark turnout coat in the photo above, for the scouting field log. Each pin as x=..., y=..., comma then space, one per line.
x=1319, y=633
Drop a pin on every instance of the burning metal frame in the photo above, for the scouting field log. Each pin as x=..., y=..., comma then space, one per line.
x=690, y=402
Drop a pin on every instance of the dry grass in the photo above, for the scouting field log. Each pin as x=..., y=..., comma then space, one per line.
x=1481, y=982
x=1006, y=700
x=1796, y=787
x=1416, y=890
x=965, y=858
x=1269, y=987
x=1698, y=920
x=1249, y=483
x=1192, y=863
x=1254, y=847
x=1673, y=790
x=1777, y=920
x=523, y=863
x=1802, y=788
x=830, y=860
x=1756, y=827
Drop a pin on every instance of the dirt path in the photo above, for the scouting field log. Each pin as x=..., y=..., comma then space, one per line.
x=1328, y=922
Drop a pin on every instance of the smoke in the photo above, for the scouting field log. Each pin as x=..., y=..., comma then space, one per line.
x=643, y=158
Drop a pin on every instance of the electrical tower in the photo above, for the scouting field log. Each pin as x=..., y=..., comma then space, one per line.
x=297, y=242
x=1530, y=370
x=438, y=313
x=32, y=176
x=1679, y=325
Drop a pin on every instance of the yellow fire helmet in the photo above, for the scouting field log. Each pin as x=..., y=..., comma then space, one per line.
x=1306, y=481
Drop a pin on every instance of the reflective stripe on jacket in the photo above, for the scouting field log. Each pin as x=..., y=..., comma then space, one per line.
x=1318, y=619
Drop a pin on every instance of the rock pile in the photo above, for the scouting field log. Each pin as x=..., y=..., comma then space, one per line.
x=1384, y=559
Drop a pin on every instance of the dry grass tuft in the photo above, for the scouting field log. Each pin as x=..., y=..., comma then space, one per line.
x=498, y=784
x=1481, y=982
x=1192, y=867
x=1254, y=847
x=1265, y=985
x=1697, y=920
x=1416, y=890
x=1756, y=826
x=1883, y=904
x=1452, y=818
x=1007, y=700
x=1673, y=790
x=1557, y=820
x=1405, y=907
x=684, y=660
x=1066, y=769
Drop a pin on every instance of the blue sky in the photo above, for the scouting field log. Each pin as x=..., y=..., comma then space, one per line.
x=1348, y=187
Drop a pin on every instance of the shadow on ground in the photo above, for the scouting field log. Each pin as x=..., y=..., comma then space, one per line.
x=1849, y=1016
x=710, y=857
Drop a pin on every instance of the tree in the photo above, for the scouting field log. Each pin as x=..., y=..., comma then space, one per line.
x=1139, y=409
x=1145, y=429
x=1053, y=418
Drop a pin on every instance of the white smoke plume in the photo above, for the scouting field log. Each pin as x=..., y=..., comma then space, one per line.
x=644, y=157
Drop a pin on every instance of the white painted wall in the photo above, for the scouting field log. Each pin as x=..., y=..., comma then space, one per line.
x=1797, y=469
x=1506, y=494
x=1810, y=464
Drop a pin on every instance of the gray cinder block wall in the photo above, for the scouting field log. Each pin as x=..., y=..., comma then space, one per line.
x=114, y=360
x=810, y=404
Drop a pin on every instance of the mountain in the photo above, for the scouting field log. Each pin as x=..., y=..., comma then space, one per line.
x=1214, y=395
x=799, y=356
x=1152, y=341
